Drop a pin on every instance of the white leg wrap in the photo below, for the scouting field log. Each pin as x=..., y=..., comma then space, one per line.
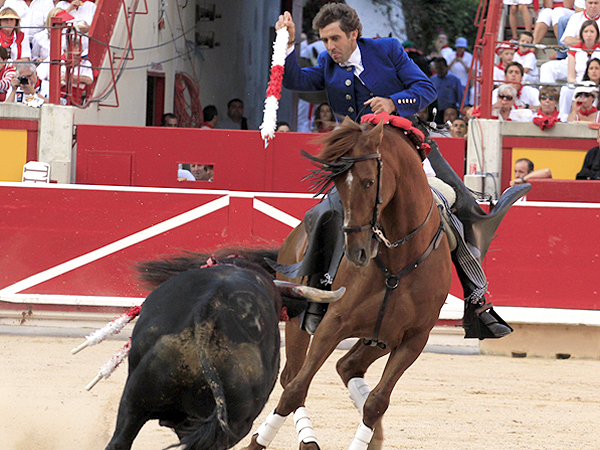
x=267, y=431
x=361, y=438
x=304, y=428
x=359, y=391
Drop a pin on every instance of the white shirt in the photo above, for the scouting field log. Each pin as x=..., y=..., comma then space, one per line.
x=356, y=61
x=40, y=46
x=457, y=68
x=84, y=13
x=574, y=25
x=33, y=15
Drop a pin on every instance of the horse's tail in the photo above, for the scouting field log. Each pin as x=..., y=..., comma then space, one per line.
x=155, y=272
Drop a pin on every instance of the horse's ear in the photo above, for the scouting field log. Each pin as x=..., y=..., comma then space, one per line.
x=376, y=136
x=347, y=121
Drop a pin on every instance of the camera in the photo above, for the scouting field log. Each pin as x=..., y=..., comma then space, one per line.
x=24, y=80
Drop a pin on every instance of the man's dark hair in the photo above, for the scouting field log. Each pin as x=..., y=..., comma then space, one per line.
x=3, y=53
x=529, y=164
x=516, y=64
x=234, y=100
x=338, y=12
x=440, y=60
x=163, y=120
x=526, y=33
x=209, y=111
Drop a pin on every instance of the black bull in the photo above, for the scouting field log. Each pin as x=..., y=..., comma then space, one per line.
x=204, y=356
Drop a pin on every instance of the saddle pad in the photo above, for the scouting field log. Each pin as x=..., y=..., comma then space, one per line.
x=447, y=191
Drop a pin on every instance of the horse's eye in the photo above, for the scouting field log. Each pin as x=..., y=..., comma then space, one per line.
x=369, y=183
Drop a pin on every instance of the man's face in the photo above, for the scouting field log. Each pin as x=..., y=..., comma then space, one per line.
x=459, y=128
x=450, y=115
x=339, y=45
x=201, y=172
x=236, y=111
x=592, y=7
x=514, y=75
x=171, y=122
x=31, y=78
x=521, y=169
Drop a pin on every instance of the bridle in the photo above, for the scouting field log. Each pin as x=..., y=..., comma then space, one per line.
x=374, y=225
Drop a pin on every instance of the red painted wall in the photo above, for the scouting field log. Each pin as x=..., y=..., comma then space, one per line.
x=542, y=256
x=148, y=156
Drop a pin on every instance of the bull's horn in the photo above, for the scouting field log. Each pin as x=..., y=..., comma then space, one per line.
x=308, y=293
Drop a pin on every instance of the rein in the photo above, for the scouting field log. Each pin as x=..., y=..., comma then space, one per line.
x=392, y=281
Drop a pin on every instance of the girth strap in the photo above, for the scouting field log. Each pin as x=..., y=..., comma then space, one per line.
x=392, y=282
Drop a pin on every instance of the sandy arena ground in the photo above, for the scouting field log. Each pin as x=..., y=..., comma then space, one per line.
x=444, y=401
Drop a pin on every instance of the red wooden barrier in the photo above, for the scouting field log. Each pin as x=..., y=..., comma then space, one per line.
x=148, y=156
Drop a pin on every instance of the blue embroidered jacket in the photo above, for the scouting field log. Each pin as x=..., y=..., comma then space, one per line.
x=388, y=72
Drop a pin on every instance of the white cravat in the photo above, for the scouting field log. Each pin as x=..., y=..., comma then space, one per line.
x=356, y=61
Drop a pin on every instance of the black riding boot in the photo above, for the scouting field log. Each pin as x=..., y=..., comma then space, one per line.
x=479, y=319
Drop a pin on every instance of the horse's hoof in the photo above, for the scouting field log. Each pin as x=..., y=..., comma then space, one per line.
x=375, y=444
x=309, y=446
x=253, y=444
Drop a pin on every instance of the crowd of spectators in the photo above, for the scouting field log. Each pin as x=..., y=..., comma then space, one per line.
x=24, y=38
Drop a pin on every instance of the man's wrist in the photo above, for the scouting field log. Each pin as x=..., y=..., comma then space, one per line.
x=523, y=180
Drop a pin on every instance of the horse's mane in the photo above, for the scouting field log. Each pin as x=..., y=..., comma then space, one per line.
x=152, y=273
x=340, y=141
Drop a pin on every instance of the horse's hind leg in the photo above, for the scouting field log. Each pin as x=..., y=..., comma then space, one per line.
x=352, y=368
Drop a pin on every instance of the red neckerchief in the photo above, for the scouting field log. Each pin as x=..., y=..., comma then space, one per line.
x=207, y=124
x=460, y=55
x=6, y=41
x=588, y=17
x=546, y=122
x=587, y=112
x=500, y=66
x=544, y=116
x=523, y=54
x=519, y=91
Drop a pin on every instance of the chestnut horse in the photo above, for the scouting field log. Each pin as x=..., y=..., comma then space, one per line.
x=397, y=271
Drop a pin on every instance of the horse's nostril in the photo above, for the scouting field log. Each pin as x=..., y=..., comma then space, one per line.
x=362, y=256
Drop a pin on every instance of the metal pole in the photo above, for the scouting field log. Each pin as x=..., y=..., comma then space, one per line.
x=55, y=59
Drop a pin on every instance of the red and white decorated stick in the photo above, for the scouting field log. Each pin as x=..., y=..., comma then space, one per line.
x=109, y=367
x=109, y=329
x=267, y=128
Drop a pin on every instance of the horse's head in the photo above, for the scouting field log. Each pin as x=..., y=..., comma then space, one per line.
x=353, y=161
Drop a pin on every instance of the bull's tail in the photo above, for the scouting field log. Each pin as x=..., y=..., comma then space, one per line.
x=213, y=432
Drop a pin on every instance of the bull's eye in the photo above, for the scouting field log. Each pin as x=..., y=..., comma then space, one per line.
x=368, y=183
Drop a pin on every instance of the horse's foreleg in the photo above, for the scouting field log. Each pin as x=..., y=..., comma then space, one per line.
x=328, y=335
x=296, y=345
x=352, y=368
x=378, y=400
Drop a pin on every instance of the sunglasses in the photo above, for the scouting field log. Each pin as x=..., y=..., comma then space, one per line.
x=585, y=94
x=547, y=97
x=505, y=97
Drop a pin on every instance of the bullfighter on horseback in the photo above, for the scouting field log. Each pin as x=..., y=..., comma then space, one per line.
x=363, y=76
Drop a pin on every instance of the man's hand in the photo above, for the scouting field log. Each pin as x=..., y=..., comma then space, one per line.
x=381, y=104
x=285, y=21
x=75, y=4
